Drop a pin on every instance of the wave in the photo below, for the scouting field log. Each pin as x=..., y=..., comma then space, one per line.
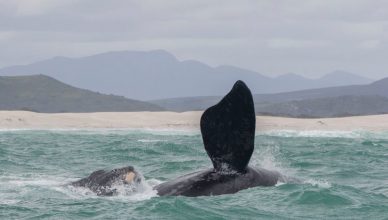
x=20, y=185
x=150, y=140
x=328, y=134
x=117, y=131
x=318, y=183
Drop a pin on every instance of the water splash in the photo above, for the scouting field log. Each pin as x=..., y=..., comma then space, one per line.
x=318, y=183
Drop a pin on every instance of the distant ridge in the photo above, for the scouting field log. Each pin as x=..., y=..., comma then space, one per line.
x=157, y=74
x=42, y=93
x=326, y=102
x=378, y=88
x=340, y=106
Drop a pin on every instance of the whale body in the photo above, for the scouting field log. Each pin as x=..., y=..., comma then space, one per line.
x=228, y=133
x=103, y=182
x=210, y=182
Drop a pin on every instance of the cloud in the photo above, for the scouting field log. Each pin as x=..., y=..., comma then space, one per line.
x=270, y=36
x=32, y=7
x=370, y=44
x=290, y=43
x=6, y=35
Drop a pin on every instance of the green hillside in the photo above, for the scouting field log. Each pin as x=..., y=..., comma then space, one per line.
x=41, y=93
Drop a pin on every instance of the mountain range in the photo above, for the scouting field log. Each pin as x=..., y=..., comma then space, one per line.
x=157, y=76
x=324, y=102
x=42, y=93
x=150, y=75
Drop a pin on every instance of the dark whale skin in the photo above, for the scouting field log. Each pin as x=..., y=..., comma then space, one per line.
x=101, y=181
x=211, y=182
x=228, y=129
x=228, y=133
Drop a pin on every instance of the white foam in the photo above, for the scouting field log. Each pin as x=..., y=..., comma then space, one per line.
x=314, y=133
x=37, y=180
x=125, y=192
x=76, y=192
x=149, y=140
x=226, y=170
x=117, y=131
x=9, y=201
x=328, y=134
x=166, y=131
x=136, y=191
x=13, y=129
x=268, y=157
x=142, y=191
x=318, y=183
x=279, y=183
x=154, y=182
x=139, y=192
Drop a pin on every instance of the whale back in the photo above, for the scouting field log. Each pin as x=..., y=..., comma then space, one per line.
x=101, y=182
x=228, y=130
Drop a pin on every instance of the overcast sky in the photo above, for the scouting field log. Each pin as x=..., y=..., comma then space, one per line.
x=273, y=37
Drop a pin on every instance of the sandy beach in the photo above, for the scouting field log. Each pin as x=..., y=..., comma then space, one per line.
x=178, y=121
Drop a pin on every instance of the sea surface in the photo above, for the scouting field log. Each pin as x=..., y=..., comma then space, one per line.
x=343, y=175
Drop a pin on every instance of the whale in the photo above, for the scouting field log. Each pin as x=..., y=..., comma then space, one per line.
x=103, y=182
x=228, y=134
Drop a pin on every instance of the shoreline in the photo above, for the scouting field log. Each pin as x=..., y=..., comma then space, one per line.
x=178, y=121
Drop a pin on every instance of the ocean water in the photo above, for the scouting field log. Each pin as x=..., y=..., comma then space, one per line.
x=343, y=175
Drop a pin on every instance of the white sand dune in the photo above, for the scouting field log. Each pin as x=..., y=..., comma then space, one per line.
x=173, y=120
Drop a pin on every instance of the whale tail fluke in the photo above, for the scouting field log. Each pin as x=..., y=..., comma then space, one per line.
x=228, y=129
